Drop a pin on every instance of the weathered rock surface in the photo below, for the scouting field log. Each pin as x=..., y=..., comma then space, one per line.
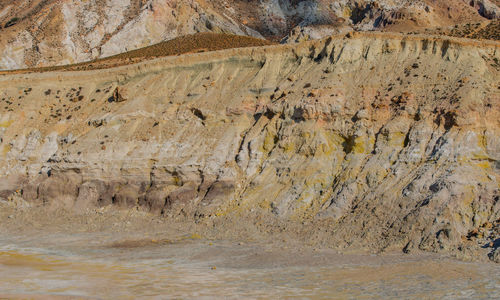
x=45, y=33
x=495, y=255
x=390, y=141
x=36, y=33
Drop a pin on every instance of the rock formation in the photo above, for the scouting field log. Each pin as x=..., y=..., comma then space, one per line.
x=35, y=33
x=391, y=140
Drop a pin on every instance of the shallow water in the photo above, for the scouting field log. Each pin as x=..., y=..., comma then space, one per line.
x=193, y=268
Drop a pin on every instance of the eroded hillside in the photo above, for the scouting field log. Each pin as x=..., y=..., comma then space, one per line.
x=380, y=141
x=192, y=43
x=37, y=33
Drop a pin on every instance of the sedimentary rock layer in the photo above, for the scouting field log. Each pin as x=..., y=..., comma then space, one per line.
x=395, y=140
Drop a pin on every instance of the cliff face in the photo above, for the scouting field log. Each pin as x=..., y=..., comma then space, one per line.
x=35, y=33
x=394, y=141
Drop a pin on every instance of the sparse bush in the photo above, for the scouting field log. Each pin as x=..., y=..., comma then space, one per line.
x=12, y=22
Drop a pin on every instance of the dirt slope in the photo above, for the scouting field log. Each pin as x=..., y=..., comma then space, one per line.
x=380, y=141
x=194, y=43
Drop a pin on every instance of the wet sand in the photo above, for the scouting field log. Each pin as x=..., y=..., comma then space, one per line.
x=97, y=266
x=128, y=254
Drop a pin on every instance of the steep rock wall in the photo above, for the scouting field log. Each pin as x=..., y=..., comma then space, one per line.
x=394, y=140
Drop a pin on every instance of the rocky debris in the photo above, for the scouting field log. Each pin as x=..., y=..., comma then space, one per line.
x=97, y=122
x=495, y=255
x=313, y=32
x=486, y=8
x=319, y=132
x=488, y=237
x=120, y=94
x=16, y=200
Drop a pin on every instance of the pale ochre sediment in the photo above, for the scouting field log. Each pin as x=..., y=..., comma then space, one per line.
x=379, y=134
